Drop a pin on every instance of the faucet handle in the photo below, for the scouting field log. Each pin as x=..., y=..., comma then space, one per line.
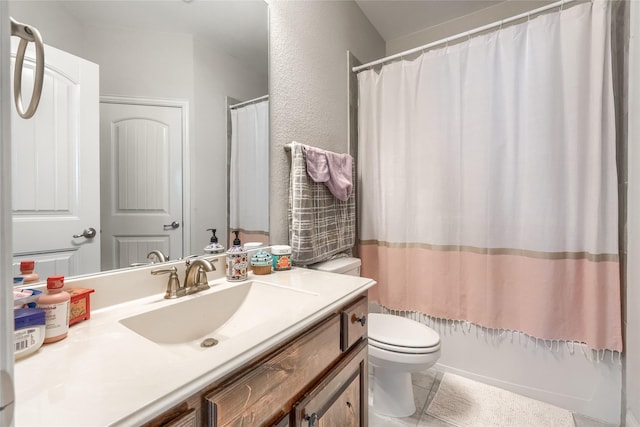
x=173, y=286
x=202, y=282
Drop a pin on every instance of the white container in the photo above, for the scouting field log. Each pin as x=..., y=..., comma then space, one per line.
x=281, y=257
x=345, y=265
x=29, y=331
x=55, y=303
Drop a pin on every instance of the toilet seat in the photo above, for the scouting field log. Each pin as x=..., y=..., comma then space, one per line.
x=401, y=335
x=403, y=350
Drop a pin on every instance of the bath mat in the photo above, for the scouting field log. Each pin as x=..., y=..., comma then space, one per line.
x=467, y=403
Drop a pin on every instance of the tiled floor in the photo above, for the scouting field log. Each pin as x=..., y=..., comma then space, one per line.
x=425, y=385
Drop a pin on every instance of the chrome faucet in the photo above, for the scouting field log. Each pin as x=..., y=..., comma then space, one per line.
x=195, y=276
x=157, y=256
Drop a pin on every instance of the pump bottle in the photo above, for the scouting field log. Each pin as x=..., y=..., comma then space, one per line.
x=237, y=261
x=213, y=247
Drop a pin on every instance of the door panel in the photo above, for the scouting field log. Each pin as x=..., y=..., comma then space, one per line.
x=141, y=184
x=55, y=167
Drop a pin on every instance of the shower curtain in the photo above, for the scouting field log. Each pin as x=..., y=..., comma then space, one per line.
x=249, y=172
x=488, y=180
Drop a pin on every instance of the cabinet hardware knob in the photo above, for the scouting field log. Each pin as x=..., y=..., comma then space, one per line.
x=349, y=405
x=362, y=319
x=311, y=419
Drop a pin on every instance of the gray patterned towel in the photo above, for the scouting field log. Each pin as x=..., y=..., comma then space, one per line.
x=320, y=225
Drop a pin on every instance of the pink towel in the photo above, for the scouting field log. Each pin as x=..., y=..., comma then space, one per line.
x=331, y=168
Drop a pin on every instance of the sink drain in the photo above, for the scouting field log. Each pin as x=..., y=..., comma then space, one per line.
x=209, y=342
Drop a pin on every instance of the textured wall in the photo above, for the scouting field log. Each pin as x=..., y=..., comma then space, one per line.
x=308, y=83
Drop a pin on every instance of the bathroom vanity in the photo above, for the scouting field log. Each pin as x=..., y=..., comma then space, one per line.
x=291, y=350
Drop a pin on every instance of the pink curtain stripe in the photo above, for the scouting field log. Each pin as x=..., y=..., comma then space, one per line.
x=554, y=299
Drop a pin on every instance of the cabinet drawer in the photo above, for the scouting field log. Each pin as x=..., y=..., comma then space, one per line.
x=340, y=399
x=354, y=323
x=267, y=392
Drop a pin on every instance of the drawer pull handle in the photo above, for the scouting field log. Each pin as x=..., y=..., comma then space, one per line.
x=362, y=319
x=311, y=419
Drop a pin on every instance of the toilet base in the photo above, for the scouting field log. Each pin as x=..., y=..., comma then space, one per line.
x=393, y=393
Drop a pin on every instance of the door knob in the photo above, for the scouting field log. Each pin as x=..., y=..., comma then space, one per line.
x=172, y=226
x=89, y=233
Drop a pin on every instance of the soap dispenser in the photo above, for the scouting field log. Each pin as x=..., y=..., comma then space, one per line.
x=237, y=261
x=213, y=247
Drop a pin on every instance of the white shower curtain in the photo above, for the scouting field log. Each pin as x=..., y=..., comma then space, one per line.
x=488, y=177
x=249, y=172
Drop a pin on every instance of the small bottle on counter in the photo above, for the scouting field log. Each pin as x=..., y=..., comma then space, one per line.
x=26, y=271
x=237, y=261
x=281, y=257
x=55, y=304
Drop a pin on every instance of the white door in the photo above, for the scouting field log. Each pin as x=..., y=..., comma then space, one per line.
x=141, y=182
x=55, y=168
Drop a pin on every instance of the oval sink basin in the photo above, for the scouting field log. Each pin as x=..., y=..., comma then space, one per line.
x=220, y=314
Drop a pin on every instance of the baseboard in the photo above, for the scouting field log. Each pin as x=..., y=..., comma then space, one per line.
x=631, y=420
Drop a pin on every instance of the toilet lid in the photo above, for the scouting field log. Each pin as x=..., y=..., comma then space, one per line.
x=389, y=330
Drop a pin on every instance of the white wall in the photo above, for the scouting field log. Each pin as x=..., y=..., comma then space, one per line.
x=482, y=17
x=216, y=76
x=308, y=83
x=57, y=27
x=632, y=321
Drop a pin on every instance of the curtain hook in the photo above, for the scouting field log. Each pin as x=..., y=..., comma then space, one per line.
x=501, y=22
x=561, y=6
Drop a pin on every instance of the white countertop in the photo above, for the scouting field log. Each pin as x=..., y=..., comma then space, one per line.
x=105, y=374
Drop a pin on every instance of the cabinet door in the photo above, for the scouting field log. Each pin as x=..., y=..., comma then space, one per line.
x=187, y=419
x=353, y=323
x=340, y=399
x=268, y=390
x=186, y=414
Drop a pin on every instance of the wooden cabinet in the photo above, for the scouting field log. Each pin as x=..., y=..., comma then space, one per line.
x=317, y=378
x=266, y=392
x=187, y=414
x=353, y=320
x=340, y=399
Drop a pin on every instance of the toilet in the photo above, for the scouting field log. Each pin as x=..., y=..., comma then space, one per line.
x=397, y=347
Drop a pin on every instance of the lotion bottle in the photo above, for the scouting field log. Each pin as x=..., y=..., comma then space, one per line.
x=55, y=304
x=26, y=271
x=213, y=247
x=237, y=261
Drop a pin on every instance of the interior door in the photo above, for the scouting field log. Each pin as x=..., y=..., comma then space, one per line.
x=55, y=168
x=141, y=182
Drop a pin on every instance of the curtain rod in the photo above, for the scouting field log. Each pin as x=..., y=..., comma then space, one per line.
x=560, y=4
x=251, y=101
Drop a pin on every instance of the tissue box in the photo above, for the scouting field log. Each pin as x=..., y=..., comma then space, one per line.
x=80, y=305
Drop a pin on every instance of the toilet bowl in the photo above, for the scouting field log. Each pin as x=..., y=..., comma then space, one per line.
x=397, y=347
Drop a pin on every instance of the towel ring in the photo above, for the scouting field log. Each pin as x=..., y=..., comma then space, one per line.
x=27, y=34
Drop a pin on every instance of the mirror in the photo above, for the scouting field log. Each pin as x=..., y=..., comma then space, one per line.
x=189, y=58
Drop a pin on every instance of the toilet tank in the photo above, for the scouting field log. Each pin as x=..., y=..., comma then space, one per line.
x=347, y=265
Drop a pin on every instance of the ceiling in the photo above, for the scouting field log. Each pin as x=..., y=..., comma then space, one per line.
x=398, y=18
x=239, y=27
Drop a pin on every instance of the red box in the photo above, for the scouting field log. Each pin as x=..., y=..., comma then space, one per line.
x=80, y=305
